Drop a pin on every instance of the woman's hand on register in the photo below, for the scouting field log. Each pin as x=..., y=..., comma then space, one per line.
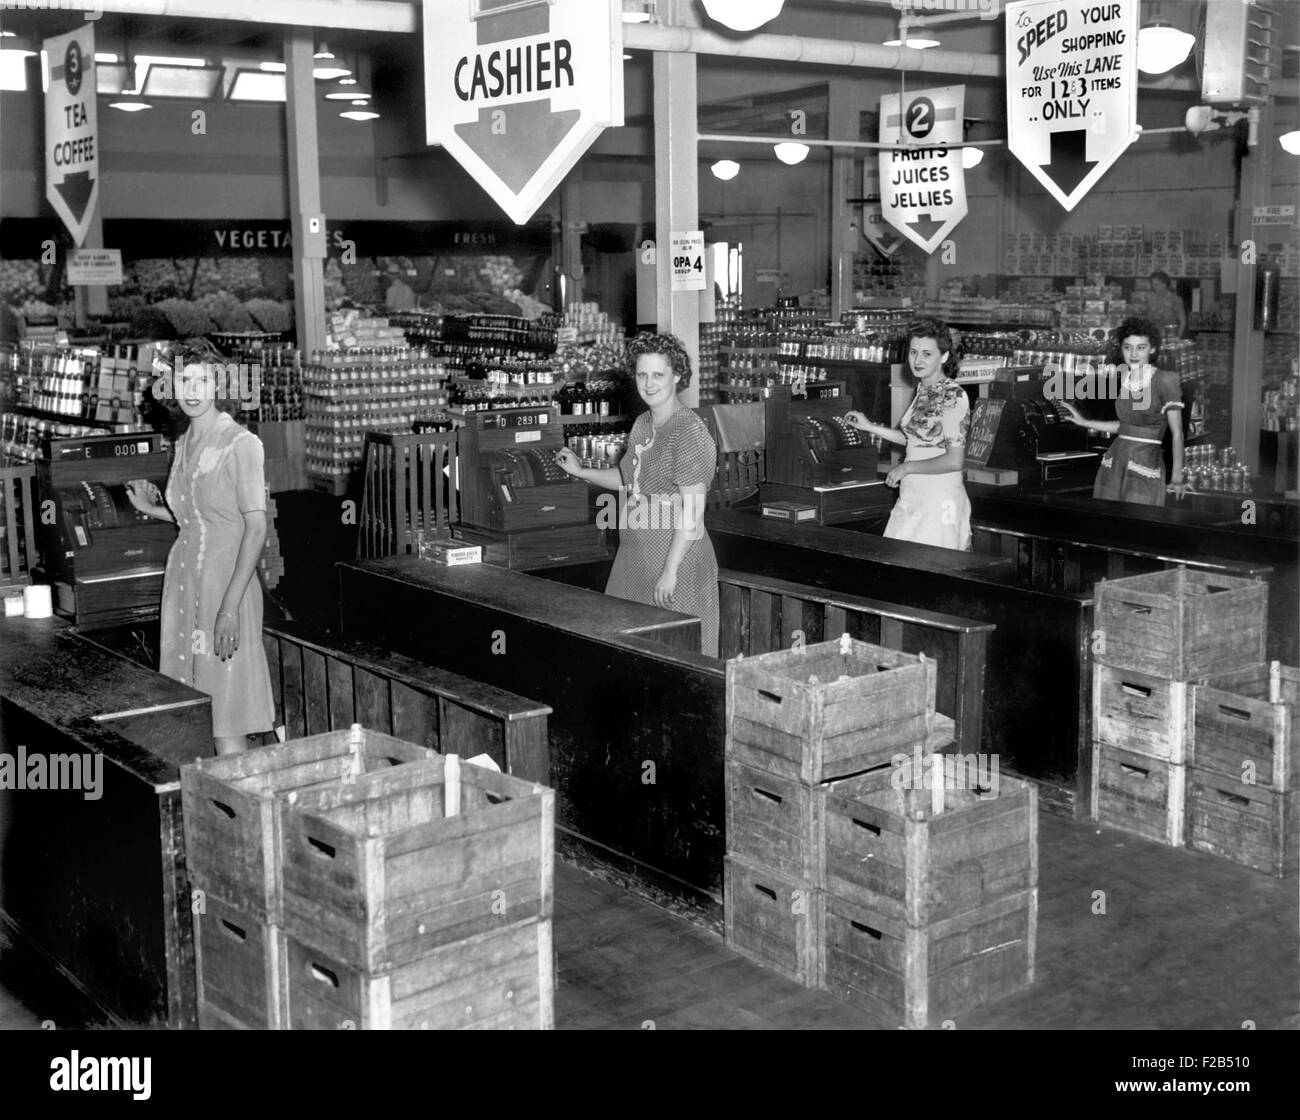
x=569, y=462
x=859, y=421
x=144, y=495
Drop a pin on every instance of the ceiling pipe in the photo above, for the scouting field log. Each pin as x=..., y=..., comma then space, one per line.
x=817, y=52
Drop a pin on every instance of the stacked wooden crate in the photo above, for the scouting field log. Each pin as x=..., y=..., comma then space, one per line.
x=836, y=874
x=1243, y=790
x=340, y=892
x=1158, y=636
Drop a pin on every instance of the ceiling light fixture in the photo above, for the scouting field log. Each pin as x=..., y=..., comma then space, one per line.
x=725, y=169
x=327, y=66
x=130, y=102
x=359, y=115
x=971, y=157
x=345, y=91
x=791, y=153
x=913, y=41
x=1290, y=142
x=743, y=15
x=636, y=11
x=1161, y=47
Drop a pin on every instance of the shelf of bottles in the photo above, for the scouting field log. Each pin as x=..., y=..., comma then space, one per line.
x=1280, y=405
x=348, y=393
x=593, y=402
x=503, y=335
x=280, y=396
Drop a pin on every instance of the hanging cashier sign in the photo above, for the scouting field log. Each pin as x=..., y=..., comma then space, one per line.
x=517, y=90
x=922, y=185
x=1071, y=89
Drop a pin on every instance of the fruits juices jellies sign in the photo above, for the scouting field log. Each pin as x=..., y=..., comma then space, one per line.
x=1071, y=90
x=922, y=184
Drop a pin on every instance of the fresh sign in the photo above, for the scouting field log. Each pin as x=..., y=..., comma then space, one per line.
x=1071, y=89
x=517, y=90
x=71, y=130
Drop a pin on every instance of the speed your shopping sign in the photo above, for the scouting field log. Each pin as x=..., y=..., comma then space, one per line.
x=923, y=186
x=1071, y=90
x=71, y=130
x=517, y=90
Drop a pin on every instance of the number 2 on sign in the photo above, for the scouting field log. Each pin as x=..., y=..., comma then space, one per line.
x=686, y=262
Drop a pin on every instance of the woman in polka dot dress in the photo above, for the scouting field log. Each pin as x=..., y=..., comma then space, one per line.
x=211, y=635
x=665, y=557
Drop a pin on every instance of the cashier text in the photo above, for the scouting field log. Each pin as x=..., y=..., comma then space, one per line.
x=222, y=381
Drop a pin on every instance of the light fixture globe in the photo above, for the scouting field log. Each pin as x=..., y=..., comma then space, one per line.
x=742, y=15
x=725, y=169
x=790, y=152
x=1290, y=142
x=1162, y=47
x=913, y=41
x=971, y=157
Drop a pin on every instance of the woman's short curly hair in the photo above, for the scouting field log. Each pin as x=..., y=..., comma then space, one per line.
x=667, y=345
x=195, y=351
x=1134, y=326
x=927, y=326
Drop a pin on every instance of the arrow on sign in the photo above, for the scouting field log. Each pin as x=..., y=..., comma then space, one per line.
x=1069, y=165
x=534, y=131
x=925, y=226
x=76, y=190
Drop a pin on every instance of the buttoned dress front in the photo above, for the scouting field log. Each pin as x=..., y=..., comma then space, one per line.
x=933, y=508
x=213, y=483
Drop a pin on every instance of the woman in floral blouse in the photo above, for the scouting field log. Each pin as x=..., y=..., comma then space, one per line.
x=932, y=506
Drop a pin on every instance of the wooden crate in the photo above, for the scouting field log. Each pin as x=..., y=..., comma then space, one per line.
x=1241, y=734
x=232, y=812
x=1182, y=625
x=1141, y=713
x=1248, y=824
x=237, y=961
x=1139, y=794
x=502, y=980
x=376, y=875
x=890, y=851
x=774, y=920
x=916, y=977
x=827, y=710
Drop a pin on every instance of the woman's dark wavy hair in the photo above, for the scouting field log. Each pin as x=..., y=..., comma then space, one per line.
x=190, y=352
x=1138, y=325
x=927, y=326
x=667, y=345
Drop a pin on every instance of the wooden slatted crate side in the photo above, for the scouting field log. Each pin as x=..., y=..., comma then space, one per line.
x=1258, y=828
x=503, y=979
x=231, y=812
x=1141, y=713
x=1180, y=624
x=775, y=822
x=888, y=849
x=1242, y=734
x=1142, y=795
x=376, y=874
x=917, y=977
x=775, y=921
x=237, y=964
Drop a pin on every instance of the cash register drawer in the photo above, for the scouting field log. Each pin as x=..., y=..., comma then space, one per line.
x=104, y=600
x=538, y=548
x=835, y=507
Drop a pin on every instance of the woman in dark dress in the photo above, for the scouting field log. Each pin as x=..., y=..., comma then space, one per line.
x=1148, y=402
x=665, y=557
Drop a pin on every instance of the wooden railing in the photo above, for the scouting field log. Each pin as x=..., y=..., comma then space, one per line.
x=759, y=615
x=409, y=487
x=326, y=684
x=18, y=549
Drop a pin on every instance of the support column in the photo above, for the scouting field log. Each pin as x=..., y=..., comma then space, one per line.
x=90, y=301
x=304, y=189
x=677, y=198
x=844, y=117
x=571, y=229
x=1248, y=343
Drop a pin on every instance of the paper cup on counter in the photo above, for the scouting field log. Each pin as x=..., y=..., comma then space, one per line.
x=37, y=601
x=13, y=605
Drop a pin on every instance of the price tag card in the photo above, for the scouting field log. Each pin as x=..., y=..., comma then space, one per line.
x=688, y=261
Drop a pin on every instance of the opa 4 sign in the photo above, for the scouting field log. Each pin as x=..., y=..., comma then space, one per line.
x=517, y=90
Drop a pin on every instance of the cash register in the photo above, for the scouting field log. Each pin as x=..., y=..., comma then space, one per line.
x=516, y=501
x=103, y=557
x=1019, y=437
x=815, y=457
